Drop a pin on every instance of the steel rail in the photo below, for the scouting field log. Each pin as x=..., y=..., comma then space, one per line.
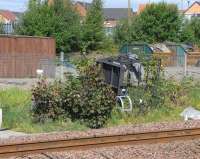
x=20, y=149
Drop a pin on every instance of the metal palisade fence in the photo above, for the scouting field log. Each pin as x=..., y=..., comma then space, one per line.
x=180, y=66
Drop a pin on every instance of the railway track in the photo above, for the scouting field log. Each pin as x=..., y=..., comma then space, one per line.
x=96, y=142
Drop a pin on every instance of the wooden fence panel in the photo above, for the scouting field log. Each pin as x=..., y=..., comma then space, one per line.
x=170, y=59
x=20, y=56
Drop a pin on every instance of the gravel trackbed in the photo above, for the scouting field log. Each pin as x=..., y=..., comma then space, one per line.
x=176, y=150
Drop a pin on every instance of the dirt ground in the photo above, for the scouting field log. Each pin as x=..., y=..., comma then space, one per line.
x=174, y=72
x=179, y=72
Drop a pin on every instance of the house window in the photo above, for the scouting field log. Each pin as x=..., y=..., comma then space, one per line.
x=8, y=28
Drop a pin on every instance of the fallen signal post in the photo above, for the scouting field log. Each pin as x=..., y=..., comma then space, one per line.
x=36, y=147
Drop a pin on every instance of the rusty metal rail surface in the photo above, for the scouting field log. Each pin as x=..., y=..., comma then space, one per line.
x=96, y=142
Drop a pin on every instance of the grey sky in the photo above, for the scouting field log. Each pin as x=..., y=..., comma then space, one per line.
x=20, y=5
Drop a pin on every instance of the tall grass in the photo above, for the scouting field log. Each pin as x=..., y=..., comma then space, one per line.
x=16, y=105
x=156, y=115
x=189, y=95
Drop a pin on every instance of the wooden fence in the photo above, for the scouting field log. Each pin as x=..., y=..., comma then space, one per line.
x=171, y=59
x=21, y=56
x=193, y=58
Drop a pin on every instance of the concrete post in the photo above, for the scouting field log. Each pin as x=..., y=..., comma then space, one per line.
x=185, y=65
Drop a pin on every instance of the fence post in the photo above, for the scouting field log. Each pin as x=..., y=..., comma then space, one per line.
x=62, y=65
x=185, y=65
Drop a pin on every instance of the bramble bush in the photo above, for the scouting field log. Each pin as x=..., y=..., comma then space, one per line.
x=47, y=101
x=155, y=91
x=150, y=91
x=86, y=98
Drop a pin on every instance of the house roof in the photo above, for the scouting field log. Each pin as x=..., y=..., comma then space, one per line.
x=115, y=13
x=8, y=15
x=195, y=9
x=142, y=7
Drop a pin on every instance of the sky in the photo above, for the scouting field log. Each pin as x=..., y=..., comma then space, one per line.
x=21, y=5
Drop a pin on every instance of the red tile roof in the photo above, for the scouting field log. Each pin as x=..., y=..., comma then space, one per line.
x=8, y=15
x=142, y=7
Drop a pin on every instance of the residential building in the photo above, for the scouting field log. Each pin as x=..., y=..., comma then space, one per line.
x=193, y=10
x=141, y=8
x=113, y=16
x=8, y=19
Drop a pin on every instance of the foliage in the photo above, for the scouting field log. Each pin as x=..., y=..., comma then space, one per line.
x=122, y=32
x=177, y=96
x=161, y=114
x=1, y=29
x=83, y=63
x=157, y=23
x=190, y=31
x=109, y=46
x=93, y=32
x=150, y=91
x=47, y=101
x=86, y=98
x=89, y=99
x=58, y=21
x=156, y=91
x=186, y=34
x=16, y=105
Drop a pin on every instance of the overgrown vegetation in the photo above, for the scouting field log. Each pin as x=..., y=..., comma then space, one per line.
x=158, y=23
x=16, y=104
x=149, y=92
x=177, y=96
x=93, y=29
x=1, y=29
x=59, y=21
x=87, y=99
x=47, y=101
x=191, y=32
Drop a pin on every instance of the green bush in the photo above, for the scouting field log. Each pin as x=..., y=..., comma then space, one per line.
x=59, y=21
x=149, y=93
x=87, y=99
x=159, y=22
x=47, y=101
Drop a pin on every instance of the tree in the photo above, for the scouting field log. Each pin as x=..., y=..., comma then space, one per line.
x=191, y=32
x=93, y=33
x=157, y=23
x=186, y=34
x=122, y=32
x=1, y=29
x=57, y=20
